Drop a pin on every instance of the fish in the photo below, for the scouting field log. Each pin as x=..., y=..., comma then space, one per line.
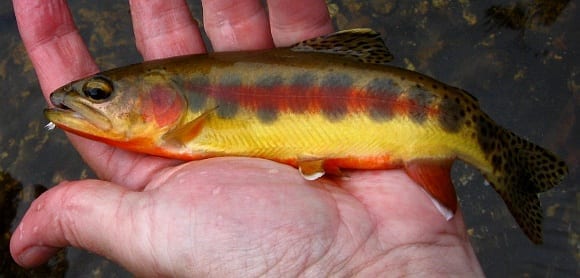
x=323, y=105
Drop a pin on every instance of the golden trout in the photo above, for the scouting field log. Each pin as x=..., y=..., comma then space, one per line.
x=322, y=105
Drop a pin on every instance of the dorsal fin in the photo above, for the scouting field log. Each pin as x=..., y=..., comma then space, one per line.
x=362, y=44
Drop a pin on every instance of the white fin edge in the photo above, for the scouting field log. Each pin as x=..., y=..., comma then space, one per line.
x=50, y=126
x=447, y=213
x=311, y=177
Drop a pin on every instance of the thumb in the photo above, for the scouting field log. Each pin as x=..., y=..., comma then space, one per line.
x=83, y=214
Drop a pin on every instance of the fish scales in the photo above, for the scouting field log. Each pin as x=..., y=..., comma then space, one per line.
x=273, y=91
x=322, y=105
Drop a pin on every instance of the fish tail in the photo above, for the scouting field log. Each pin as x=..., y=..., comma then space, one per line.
x=521, y=170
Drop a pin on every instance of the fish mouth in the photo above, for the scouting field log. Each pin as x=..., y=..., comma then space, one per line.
x=73, y=112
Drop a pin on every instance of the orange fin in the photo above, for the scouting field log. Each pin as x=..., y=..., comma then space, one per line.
x=435, y=177
x=311, y=169
x=188, y=131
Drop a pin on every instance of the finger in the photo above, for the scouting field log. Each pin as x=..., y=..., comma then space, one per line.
x=236, y=25
x=54, y=45
x=85, y=214
x=58, y=54
x=291, y=22
x=165, y=28
x=49, y=222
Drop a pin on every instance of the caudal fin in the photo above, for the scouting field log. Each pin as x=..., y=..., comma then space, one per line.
x=521, y=170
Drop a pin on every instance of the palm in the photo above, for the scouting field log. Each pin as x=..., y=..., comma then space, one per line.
x=248, y=206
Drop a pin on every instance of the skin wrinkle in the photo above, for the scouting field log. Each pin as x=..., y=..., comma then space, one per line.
x=466, y=249
x=148, y=45
x=150, y=239
x=409, y=262
x=124, y=176
x=324, y=254
x=165, y=28
x=230, y=18
x=300, y=25
x=55, y=55
x=165, y=23
x=318, y=27
x=371, y=241
x=192, y=235
x=274, y=270
x=278, y=260
x=362, y=243
x=61, y=32
x=55, y=37
x=145, y=235
x=228, y=29
x=231, y=11
x=362, y=247
x=117, y=211
x=281, y=237
x=43, y=33
x=177, y=47
x=308, y=263
x=303, y=255
x=65, y=219
x=379, y=258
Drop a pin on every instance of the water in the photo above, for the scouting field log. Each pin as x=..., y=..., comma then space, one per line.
x=520, y=59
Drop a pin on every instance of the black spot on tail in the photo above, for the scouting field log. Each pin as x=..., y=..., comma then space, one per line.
x=526, y=210
x=521, y=170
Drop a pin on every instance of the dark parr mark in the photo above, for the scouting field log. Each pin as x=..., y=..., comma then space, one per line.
x=451, y=114
x=226, y=109
x=421, y=96
x=196, y=92
x=227, y=106
x=267, y=114
x=303, y=89
x=230, y=79
x=269, y=81
x=421, y=100
x=303, y=80
x=337, y=80
x=336, y=88
x=267, y=110
x=382, y=94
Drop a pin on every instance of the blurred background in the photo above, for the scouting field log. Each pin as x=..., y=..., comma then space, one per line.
x=521, y=59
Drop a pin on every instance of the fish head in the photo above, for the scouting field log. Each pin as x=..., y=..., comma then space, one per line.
x=125, y=110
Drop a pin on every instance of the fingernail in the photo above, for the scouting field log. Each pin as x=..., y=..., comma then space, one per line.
x=35, y=255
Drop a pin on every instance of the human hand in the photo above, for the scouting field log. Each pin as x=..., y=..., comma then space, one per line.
x=223, y=216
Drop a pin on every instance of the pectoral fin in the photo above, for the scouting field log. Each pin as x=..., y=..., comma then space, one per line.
x=186, y=132
x=435, y=177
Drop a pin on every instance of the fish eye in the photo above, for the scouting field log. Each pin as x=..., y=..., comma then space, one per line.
x=98, y=88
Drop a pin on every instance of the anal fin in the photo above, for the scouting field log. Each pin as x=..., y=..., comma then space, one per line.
x=434, y=175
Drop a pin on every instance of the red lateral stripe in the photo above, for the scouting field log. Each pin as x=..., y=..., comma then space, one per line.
x=314, y=99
